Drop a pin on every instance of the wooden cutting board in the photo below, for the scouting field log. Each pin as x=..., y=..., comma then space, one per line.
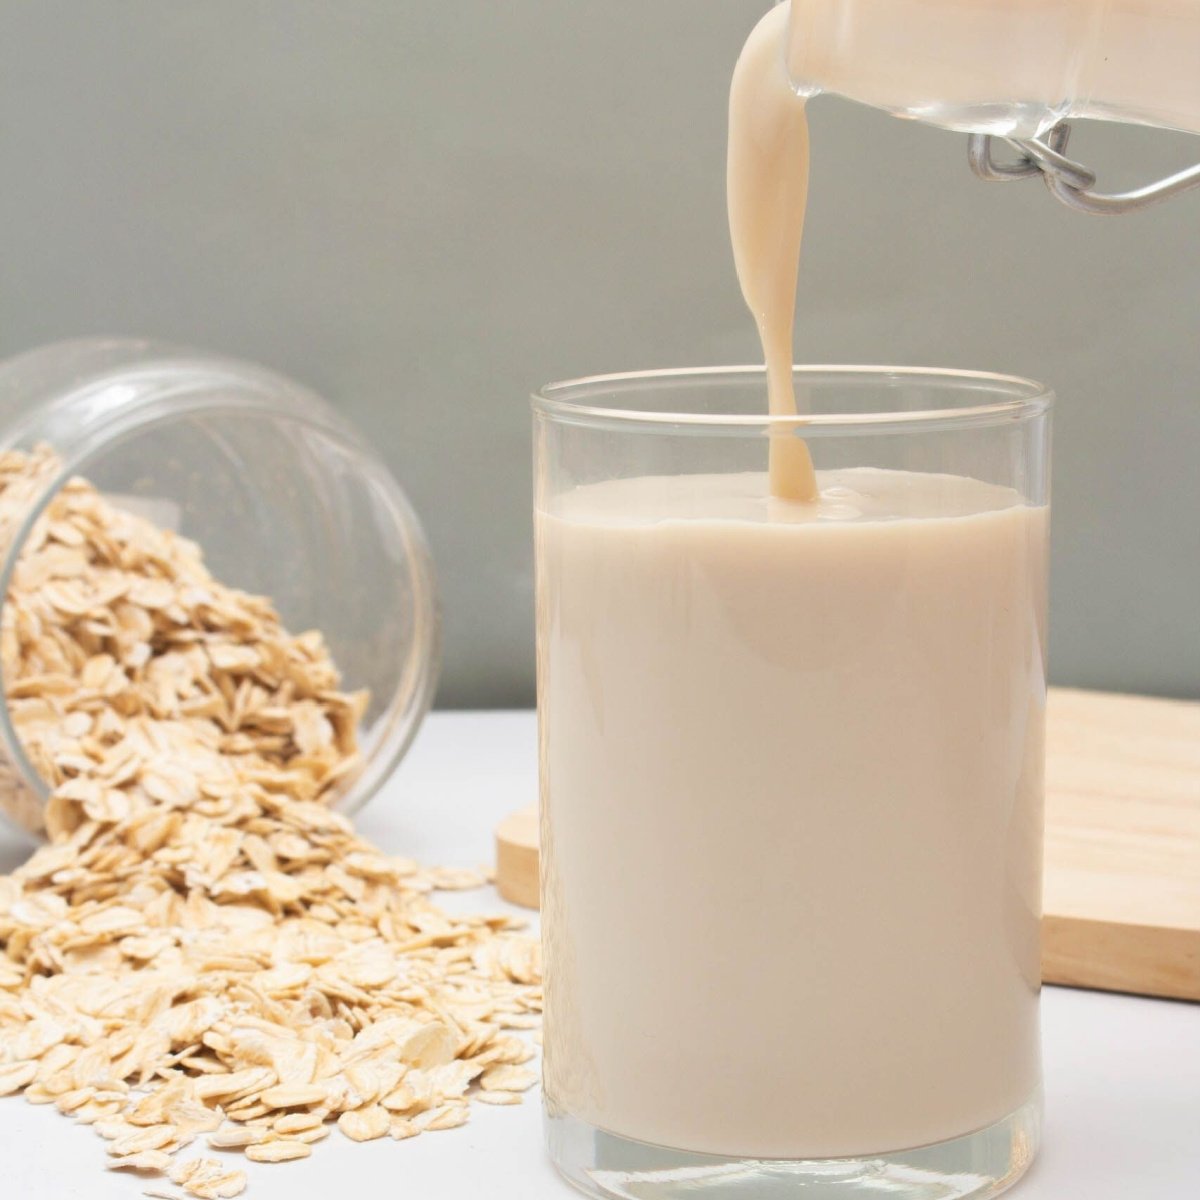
x=1122, y=883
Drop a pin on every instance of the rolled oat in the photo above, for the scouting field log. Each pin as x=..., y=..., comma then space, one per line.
x=205, y=948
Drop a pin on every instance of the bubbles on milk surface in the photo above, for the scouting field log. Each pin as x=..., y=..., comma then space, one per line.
x=839, y=503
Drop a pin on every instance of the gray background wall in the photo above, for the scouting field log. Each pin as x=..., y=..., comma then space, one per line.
x=425, y=209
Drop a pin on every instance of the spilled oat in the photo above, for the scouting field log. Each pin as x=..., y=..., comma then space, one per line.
x=205, y=949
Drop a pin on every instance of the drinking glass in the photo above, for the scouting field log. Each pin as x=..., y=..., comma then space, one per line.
x=791, y=783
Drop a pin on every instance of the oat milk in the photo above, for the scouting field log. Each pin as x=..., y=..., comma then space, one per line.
x=767, y=190
x=791, y=769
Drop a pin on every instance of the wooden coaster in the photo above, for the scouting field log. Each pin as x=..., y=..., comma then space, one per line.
x=517, y=858
x=1122, y=882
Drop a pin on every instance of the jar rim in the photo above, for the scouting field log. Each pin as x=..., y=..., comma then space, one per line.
x=592, y=400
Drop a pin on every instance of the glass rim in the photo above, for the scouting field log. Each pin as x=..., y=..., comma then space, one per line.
x=1020, y=398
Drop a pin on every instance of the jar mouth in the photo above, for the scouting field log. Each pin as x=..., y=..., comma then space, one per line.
x=835, y=399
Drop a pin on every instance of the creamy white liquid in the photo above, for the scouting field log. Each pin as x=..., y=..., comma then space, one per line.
x=791, y=789
x=767, y=185
x=767, y=189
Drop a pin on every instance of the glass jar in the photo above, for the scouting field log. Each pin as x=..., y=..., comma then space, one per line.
x=283, y=497
x=1013, y=69
x=791, y=783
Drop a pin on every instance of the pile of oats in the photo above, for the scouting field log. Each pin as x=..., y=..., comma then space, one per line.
x=205, y=948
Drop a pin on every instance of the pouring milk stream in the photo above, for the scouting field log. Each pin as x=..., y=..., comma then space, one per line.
x=1012, y=69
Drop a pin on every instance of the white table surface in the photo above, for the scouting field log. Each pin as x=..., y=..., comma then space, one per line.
x=1122, y=1073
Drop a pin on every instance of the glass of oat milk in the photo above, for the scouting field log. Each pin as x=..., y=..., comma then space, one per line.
x=791, y=783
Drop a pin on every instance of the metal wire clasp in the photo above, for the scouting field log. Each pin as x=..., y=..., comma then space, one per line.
x=1071, y=182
